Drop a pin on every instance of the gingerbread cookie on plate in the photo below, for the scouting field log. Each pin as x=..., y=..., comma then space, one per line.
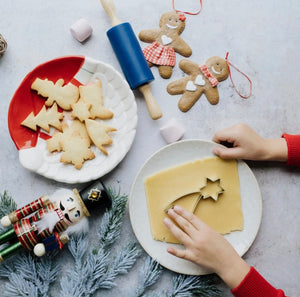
x=201, y=79
x=165, y=41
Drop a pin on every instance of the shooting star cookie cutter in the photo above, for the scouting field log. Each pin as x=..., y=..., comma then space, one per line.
x=196, y=196
x=203, y=193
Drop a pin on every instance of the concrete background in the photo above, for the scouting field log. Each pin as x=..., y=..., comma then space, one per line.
x=263, y=40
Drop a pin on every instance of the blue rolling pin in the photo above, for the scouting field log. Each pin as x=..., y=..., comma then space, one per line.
x=131, y=58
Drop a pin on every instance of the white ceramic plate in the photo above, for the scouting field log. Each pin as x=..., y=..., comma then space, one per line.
x=117, y=97
x=176, y=154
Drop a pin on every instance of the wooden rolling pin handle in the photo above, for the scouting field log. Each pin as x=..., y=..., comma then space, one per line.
x=110, y=9
x=153, y=108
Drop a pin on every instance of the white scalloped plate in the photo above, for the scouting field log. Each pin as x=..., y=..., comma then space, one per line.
x=173, y=155
x=119, y=98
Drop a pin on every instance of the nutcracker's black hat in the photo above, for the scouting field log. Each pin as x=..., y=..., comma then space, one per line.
x=94, y=197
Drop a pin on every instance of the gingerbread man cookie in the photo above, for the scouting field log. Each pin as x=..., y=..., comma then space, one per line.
x=165, y=41
x=201, y=79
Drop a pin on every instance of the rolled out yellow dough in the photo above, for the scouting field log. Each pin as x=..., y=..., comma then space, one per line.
x=181, y=185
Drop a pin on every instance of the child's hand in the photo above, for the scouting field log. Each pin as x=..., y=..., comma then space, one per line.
x=205, y=247
x=247, y=144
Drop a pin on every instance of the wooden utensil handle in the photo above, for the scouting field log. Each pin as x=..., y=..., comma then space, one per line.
x=110, y=9
x=153, y=108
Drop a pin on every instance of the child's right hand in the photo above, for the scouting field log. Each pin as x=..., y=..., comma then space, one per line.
x=248, y=145
x=204, y=246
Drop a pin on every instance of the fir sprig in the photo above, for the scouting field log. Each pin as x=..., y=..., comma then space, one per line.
x=189, y=285
x=78, y=245
x=95, y=268
x=182, y=285
x=27, y=275
x=149, y=274
x=110, y=228
x=122, y=264
x=7, y=204
x=18, y=286
x=126, y=259
x=30, y=276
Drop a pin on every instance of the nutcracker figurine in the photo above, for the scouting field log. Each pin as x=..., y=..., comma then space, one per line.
x=42, y=225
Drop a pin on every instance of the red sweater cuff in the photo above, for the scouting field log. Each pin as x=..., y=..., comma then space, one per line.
x=293, y=144
x=254, y=285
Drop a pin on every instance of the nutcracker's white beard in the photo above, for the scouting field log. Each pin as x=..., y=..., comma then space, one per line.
x=50, y=219
x=81, y=227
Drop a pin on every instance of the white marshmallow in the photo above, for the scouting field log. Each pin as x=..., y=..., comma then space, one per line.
x=81, y=30
x=172, y=131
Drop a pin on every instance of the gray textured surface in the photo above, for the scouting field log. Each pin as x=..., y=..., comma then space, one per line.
x=263, y=40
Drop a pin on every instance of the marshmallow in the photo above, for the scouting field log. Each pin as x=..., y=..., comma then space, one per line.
x=81, y=30
x=172, y=131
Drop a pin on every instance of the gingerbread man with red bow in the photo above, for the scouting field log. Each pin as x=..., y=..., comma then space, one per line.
x=165, y=41
x=201, y=79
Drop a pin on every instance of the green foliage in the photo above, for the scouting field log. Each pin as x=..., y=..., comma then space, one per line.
x=28, y=275
x=7, y=204
x=94, y=267
x=149, y=274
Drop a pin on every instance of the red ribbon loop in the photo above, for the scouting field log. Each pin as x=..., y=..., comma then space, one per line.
x=187, y=12
x=230, y=64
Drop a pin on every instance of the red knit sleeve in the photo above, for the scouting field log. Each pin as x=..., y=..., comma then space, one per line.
x=254, y=285
x=293, y=143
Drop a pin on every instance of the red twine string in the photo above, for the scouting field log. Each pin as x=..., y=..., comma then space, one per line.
x=187, y=12
x=230, y=64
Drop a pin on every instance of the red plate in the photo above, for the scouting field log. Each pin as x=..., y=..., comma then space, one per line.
x=25, y=100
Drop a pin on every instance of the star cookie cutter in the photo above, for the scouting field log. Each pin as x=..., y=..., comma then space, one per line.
x=214, y=195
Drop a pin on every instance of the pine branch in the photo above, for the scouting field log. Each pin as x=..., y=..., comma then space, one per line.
x=73, y=282
x=7, y=204
x=40, y=272
x=70, y=287
x=47, y=271
x=78, y=245
x=18, y=286
x=93, y=268
x=98, y=268
x=188, y=286
x=7, y=268
x=126, y=258
x=149, y=274
x=112, y=220
x=96, y=273
x=27, y=275
x=122, y=263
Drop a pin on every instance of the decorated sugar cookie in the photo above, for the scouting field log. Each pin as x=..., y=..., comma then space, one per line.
x=201, y=79
x=165, y=41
